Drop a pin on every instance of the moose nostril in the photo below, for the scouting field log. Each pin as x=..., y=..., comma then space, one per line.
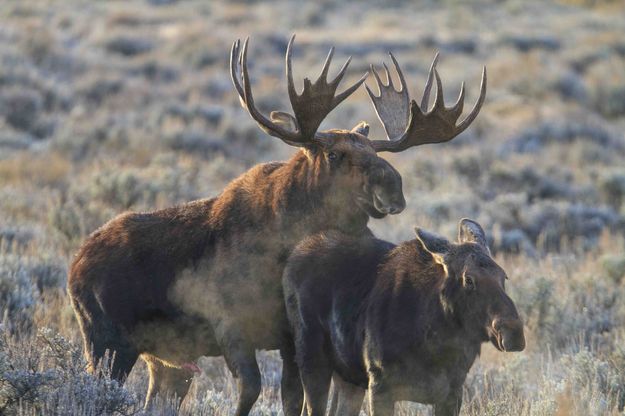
x=398, y=207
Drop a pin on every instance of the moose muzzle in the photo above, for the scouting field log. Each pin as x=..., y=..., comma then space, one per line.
x=507, y=335
x=386, y=189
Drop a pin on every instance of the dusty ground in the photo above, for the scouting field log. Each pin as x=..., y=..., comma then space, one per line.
x=114, y=106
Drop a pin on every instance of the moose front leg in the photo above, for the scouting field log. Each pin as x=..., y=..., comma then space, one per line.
x=451, y=406
x=241, y=360
x=316, y=382
x=381, y=402
x=291, y=385
x=315, y=373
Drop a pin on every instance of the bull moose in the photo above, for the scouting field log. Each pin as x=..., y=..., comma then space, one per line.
x=204, y=278
x=405, y=322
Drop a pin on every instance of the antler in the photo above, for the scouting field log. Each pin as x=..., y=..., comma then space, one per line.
x=404, y=121
x=310, y=107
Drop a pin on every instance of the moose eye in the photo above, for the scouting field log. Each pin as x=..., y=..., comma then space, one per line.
x=469, y=283
x=332, y=156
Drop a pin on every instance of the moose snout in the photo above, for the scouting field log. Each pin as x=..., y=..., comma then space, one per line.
x=510, y=335
x=389, y=204
x=386, y=185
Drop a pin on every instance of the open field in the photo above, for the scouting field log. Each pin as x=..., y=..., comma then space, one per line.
x=114, y=106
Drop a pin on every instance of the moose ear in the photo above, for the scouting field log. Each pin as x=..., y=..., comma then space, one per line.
x=284, y=120
x=361, y=128
x=433, y=244
x=470, y=231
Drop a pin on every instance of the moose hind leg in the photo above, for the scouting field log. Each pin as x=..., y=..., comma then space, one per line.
x=347, y=398
x=166, y=380
x=291, y=385
x=316, y=374
x=102, y=337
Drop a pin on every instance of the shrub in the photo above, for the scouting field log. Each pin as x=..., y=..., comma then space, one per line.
x=612, y=186
x=46, y=375
x=18, y=293
x=571, y=86
x=99, y=89
x=13, y=237
x=526, y=43
x=609, y=100
x=614, y=266
x=608, y=85
x=23, y=279
x=21, y=108
x=599, y=384
x=67, y=219
x=553, y=226
x=195, y=142
x=504, y=178
x=534, y=139
x=128, y=46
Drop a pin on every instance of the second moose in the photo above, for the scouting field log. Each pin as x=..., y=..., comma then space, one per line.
x=404, y=322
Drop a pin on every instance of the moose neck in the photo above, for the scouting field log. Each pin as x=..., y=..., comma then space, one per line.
x=310, y=196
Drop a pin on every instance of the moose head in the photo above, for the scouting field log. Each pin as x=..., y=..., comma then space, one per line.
x=474, y=289
x=348, y=159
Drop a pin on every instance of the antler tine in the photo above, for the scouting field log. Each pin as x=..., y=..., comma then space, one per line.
x=289, y=69
x=439, y=102
x=337, y=79
x=247, y=88
x=349, y=91
x=478, y=104
x=389, y=80
x=428, y=84
x=435, y=126
x=372, y=96
x=402, y=80
x=459, y=105
x=326, y=66
x=234, y=55
x=378, y=80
